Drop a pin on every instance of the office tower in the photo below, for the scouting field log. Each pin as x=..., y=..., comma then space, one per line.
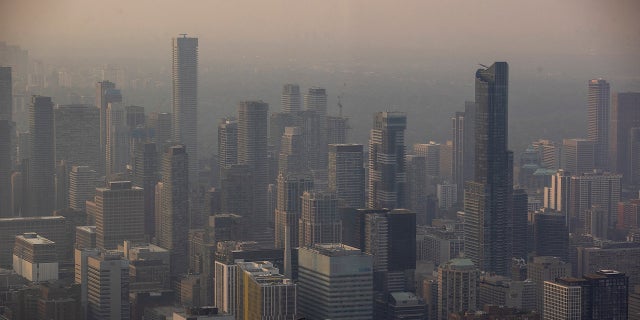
x=550, y=153
x=85, y=237
x=519, y=217
x=106, y=93
x=227, y=144
x=185, y=99
x=634, y=155
x=161, y=128
x=337, y=129
x=42, y=163
x=264, y=293
x=82, y=186
x=578, y=156
x=457, y=287
x=225, y=227
x=405, y=305
x=594, y=189
x=316, y=100
x=289, y=208
x=6, y=95
x=557, y=197
x=290, y=99
x=625, y=115
x=134, y=116
x=439, y=244
x=545, y=268
x=252, y=152
x=119, y=213
x=6, y=209
x=108, y=287
x=61, y=182
x=292, y=158
x=447, y=194
x=628, y=214
x=487, y=199
x=431, y=152
x=502, y=291
x=346, y=291
x=319, y=220
x=598, y=118
x=237, y=185
x=446, y=161
x=35, y=258
x=416, y=187
x=551, y=235
x=53, y=228
x=277, y=122
x=346, y=174
x=601, y=295
x=387, y=177
x=463, y=137
x=145, y=176
x=173, y=219
x=77, y=135
x=118, y=141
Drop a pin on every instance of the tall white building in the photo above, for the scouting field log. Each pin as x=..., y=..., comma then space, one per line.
x=457, y=287
x=346, y=291
x=563, y=299
x=34, y=258
x=82, y=186
x=185, y=99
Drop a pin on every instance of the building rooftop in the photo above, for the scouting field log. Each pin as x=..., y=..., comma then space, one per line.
x=335, y=249
x=33, y=238
x=88, y=229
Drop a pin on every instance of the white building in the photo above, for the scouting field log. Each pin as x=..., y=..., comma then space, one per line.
x=34, y=258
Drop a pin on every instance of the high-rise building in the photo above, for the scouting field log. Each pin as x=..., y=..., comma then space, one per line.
x=237, y=185
x=601, y=295
x=117, y=145
x=263, y=293
x=578, y=156
x=625, y=115
x=227, y=144
x=594, y=189
x=6, y=209
x=54, y=228
x=447, y=194
x=316, y=100
x=160, y=127
x=173, y=219
x=6, y=94
x=290, y=98
x=337, y=129
x=557, y=197
x=550, y=153
x=519, y=217
x=119, y=214
x=598, y=117
x=387, y=177
x=551, y=235
x=34, y=258
x=446, y=161
x=431, y=152
x=502, y=291
x=145, y=176
x=41, y=177
x=252, y=152
x=82, y=186
x=106, y=93
x=77, y=135
x=108, y=287
x=319, y=220
x=457, y=287
x=417, y=187
x=346, y=174
x=624, y=257
x=346, y=291
x=628, y=214
x=463, y=138
x=185, y=99
x=289, y=208
x=292, y=157
x=488, y=198
x=545, y=268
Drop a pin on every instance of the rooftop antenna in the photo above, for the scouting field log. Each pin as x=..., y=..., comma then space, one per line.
x=339, y=102
x=184, y=35
x=483, y=65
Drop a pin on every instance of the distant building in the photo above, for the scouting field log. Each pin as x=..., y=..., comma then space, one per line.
x=578, y=156
x=457, y=287
x=598, y=119
x=77, y=135
x=34, y=258
x=625, y=115
x=346, y=174
x=82, y=186
x=319, y=221
x=41, y=177
x=264, y=293
x=405, y=305
x=85, y=237
x=542, y=269
x=108, y=287
x=346, y=292
x=289, y=208
x=502, y=291
x=54, y=228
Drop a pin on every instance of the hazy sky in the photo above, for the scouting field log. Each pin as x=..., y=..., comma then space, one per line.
x=116, y=28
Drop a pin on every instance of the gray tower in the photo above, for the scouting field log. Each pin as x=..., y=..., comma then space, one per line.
x=41, y=177
x=598, y=117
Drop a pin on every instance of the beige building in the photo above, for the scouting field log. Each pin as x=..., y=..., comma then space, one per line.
x=34, y=258
x=264, y=293
x=457, y=287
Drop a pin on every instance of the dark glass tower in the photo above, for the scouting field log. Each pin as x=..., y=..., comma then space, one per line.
x=488, y=198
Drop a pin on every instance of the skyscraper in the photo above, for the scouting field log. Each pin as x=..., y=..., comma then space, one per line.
x=185, y=99
x=545, y=268
x=6, y=97
x=145, y=176
x=108, y=287
x=386, y=161
x=594, y=189
x=315, y=102
x=106, y=93
x=346, y=174
x=488, y=197
x=346, y=291
x=82, y=186
x=457, y=287
x=173, y=220
x=289, y=207
x=5, y=169
x=227, y=144
x=337, y=129
x=290, y=98
x=264, y=293
x=119, y=214
x=463, y=137
x=41, y=178
x=319, y=220
x=252, y=151
x=598, y=118
x=117, y=147
x=77, y=135
x=578, y=156
x=625, y=115
x=161, y=128
x=292, y=157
